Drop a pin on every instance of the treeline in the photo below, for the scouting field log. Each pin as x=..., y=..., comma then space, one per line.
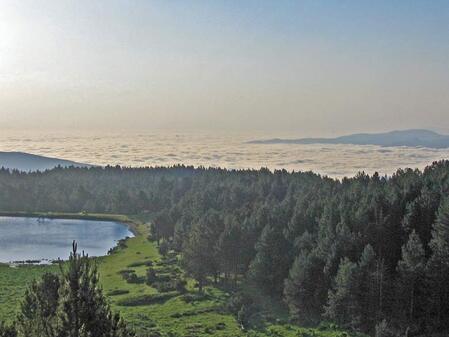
x=370, y=253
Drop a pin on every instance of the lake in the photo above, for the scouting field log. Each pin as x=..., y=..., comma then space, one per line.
x=24, y=238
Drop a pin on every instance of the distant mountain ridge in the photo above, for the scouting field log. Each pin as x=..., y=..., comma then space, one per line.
x=30, y=162
x=411, y=138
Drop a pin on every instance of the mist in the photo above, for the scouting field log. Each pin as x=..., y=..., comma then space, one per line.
x=312, y=68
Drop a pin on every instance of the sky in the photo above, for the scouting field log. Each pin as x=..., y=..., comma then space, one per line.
x=307, y=67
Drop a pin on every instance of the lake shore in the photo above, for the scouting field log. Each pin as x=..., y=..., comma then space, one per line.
x=123, y=219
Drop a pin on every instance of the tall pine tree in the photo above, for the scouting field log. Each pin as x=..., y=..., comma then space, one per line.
x=438, y=269
x=411, y=270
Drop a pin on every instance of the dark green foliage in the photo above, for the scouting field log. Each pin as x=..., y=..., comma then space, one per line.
x=117, y=292
x=180, y=285
x=237, y=301
x=199, y=256
x=141, y=263
x=270, y=265
x=343, y=306
x=438, y=268
x=244, y=315
x=164, y=248
x=83, y=310
x=151, y=276
x=232, y=256
x=38, y=315
x=69, y=305
x=305, y=289
x=411, y=283
x=146, y=299
x=130, y=276
x=7, y=331
x=369, y=289
x=282, y=233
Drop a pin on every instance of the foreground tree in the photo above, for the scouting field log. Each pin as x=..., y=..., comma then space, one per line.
x=38, y=315
x=71, y=305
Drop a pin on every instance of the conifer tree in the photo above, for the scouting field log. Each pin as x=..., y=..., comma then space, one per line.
x=38, y=313
x=71, y=305
x=305, y=289
x=438, y=268
x=343, y=306
x=83, y=310
x=270, y=266
x=369, y=289
x=230, y=251
x=198, y=256
x=411, y=270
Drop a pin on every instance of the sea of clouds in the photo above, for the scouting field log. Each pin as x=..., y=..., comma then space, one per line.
x=163, y=148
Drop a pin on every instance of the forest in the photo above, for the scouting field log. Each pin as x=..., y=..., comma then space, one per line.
x=369, y=253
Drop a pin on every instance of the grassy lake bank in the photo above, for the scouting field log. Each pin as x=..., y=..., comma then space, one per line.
x=148, y=310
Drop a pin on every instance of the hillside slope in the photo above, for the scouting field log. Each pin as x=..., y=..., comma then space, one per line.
x=29, y=162
x=411, y=138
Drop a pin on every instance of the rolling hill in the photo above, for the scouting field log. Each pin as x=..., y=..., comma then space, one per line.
x=30, y=162
x=411, y=138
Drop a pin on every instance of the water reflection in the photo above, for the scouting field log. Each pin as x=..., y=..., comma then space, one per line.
x=36, y=239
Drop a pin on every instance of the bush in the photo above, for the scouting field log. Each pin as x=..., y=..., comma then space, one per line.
x=238, y=300
x=146, y=299
x=383, y=330
x=190, y=298
x=141, y=263
x=118, y=292
x=151, y=276
x=163, y=248
x=244, y=315
x=193, y=312
x=220, y=326
x=180, y=286
x=164, y=287
x=7, y=331
x=130, y=276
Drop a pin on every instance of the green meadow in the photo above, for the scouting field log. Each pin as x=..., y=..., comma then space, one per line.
x=159, y=313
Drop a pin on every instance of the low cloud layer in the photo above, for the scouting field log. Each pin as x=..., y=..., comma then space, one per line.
x=230, y=151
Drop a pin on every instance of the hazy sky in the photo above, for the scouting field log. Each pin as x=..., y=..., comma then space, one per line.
x=309, y=67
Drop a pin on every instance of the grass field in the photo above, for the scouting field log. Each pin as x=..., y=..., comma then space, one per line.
x=148, y=311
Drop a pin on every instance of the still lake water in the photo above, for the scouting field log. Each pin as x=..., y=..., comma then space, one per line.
x=32, y=239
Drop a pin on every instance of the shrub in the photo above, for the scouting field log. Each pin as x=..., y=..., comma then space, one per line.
x=220, y=326
x=236, y=302
x=164, y=287
x=163, y=248
x=180, y=285
x=7, y=331
x=151, y=276
x=117, y=292
x=383, y=330
x=244, y=315
x=146, y=299
x=130, y=276
x=141, y=263
x=190, y=298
